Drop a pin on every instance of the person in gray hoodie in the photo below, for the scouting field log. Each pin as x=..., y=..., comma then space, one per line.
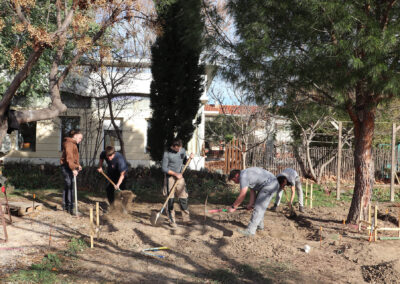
x=263, y=185
x=172, y=164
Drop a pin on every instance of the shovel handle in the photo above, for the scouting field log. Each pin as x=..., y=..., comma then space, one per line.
x=109, y=179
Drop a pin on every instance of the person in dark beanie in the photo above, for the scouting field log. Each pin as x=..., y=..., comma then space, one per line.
x=291, y=178
x=116, y=171
x=172, y=165
x=70, y=167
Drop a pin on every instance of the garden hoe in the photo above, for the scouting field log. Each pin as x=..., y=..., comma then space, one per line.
x=122, y=197
x=154, y=216
x=225, y=210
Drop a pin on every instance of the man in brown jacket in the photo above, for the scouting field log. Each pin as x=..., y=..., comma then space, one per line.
x=70, y=167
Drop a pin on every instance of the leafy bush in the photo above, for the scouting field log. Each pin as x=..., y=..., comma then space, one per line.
x=145, y=182
x=24, y=175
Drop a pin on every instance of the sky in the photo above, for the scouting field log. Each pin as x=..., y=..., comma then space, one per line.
x=221, y=89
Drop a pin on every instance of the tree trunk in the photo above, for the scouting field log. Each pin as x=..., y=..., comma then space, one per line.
x=323, y=166
x=3, y=130
x=364, y=124
x=309, y=162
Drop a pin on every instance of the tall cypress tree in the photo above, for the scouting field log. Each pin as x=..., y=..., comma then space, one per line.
x=177, y=75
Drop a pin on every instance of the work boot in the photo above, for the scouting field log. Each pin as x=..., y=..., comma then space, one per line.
x=186, y=217
x=171, y=219
x=260, y=229
x=71, y=210
x=246, y=233
x=301, y=209
x=274, y=208
x=77, y=214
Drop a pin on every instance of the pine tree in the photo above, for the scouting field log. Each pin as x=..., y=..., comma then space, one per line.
x=177, y=75
x=342, y=54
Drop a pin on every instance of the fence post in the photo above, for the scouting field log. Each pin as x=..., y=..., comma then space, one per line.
x=393, y=162
x=226, y=157
x=339, y=162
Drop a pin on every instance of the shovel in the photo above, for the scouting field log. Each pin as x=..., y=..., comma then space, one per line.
x=125, y=196
x=154, y=217
x=76, y=197
x=293, y=214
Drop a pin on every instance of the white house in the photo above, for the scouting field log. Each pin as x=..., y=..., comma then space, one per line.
x=275, y=130
x=40, y=142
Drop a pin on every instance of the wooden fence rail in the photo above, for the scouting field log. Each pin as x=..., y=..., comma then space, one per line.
x=233, y=156
x=277, y=158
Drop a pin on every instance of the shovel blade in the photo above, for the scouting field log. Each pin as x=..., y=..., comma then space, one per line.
x=155, y=218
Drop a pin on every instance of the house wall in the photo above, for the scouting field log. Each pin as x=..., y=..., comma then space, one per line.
x=134, y=122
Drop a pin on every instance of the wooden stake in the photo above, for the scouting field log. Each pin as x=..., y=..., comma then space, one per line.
x=320, y=237
x=34, y=196
x=362, y=212
x=369, y=213
x=91, y=227
x=339, y=161
x=376, y=223
x=205, y=209
x=97, y=215
x=311, y=195
x=306, y=192
x=399, y=221
x=3, y=219
x=51, y=227
x=340, y=240
x=393, y=162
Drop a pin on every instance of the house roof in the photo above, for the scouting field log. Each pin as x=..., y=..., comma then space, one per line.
x=230, y=109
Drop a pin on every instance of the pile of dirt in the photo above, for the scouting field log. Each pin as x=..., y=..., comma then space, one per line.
x=382, y=273
x=122, y=202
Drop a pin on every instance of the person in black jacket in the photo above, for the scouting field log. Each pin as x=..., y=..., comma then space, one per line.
x=116, y=170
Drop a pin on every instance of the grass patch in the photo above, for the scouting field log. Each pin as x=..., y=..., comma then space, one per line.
x=44, y=272
x=47, y=270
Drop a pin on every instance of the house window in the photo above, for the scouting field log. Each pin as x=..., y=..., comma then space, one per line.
x=27, y=137
x=110, y=134
x=68, y=123
x=75, y=101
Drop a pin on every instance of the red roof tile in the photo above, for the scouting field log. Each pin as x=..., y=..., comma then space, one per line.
x=231, y=109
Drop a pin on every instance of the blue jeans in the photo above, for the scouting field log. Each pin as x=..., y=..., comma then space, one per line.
x=263, y=199
x=68, y=193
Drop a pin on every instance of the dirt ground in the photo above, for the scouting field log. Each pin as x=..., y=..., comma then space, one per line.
x=209, y=251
